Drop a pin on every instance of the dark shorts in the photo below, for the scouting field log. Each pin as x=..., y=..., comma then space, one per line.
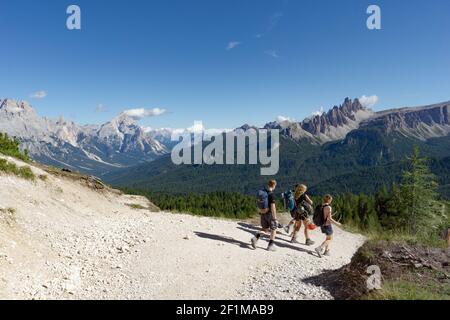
x=267, y=221
x=299, y=216
x=328, y=230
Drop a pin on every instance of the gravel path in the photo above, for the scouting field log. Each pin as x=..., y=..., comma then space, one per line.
x=63, y=240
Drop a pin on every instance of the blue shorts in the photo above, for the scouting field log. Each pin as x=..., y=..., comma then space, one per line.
x=328, y=230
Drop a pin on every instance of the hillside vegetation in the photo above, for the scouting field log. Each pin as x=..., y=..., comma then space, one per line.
x=10, y=147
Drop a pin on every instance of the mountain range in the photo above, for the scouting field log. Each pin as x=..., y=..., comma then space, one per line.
x=92, y=149
x=348, y=149
x=335, y=147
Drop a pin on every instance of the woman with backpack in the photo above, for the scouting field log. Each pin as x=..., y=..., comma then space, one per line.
x=303, y=209
x=323, y=217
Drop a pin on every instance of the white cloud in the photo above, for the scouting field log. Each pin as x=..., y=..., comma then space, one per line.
x=272, y=53
x=39, y=95
x=318, y=112
x=273, y=22
x=198, y=128
x=368, y=101
x=274, y=19
x=232, y=44
x=141, y=113
x=281, y=119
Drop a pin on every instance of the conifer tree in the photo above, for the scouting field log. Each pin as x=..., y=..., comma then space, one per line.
x=419, y=207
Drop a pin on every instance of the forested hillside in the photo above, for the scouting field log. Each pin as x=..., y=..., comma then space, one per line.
x=363, y=162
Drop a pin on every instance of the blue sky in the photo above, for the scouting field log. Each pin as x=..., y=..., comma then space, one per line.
x=225, y=62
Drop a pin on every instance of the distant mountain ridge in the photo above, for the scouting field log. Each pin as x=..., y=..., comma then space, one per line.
x=366, y=158
x=122, y=143
x=419, y=122
x=330, y=126
x=89, y=148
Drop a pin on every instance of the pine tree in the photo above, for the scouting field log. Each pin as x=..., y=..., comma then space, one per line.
x=419, y=208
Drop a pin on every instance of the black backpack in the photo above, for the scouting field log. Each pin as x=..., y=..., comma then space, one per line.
x=319, y=217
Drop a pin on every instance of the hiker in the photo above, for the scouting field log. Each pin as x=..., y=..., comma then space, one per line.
x=303, y=205
x=290, y=205
x=323, y=217
x=267, y=210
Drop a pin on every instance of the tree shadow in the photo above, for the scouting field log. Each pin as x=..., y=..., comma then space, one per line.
x=223, y=239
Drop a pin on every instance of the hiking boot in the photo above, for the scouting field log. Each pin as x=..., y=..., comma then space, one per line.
x=327, y=253
x=254, y=242
x=309, y=242
x=319, y=251
x=271, y=247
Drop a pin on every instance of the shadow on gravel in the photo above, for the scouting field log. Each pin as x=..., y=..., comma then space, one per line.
x=332, y=281
x=280, y=242
x=249, y=226
x=223, y=239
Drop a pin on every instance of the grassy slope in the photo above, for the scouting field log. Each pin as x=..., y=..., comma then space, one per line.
x=10, y=147
x=409, y=272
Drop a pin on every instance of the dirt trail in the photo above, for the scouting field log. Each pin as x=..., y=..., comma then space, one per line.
x=60, y=239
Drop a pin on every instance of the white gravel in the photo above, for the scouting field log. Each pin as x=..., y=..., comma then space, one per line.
x=66, y=241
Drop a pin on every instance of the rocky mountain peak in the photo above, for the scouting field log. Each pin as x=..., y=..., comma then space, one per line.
x=10, y=106
x=327, y=126
x=246, y=127
x=337, y=117
x=421, y=122
x=119, y=142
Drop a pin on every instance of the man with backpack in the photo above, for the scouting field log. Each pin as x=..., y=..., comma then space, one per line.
x=265, y=201
x=323, y=218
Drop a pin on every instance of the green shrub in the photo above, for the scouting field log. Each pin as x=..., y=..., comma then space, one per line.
x=11, y=168
x=136, y=206
x=406, y=290
x=10, y=211
x=10, y=147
